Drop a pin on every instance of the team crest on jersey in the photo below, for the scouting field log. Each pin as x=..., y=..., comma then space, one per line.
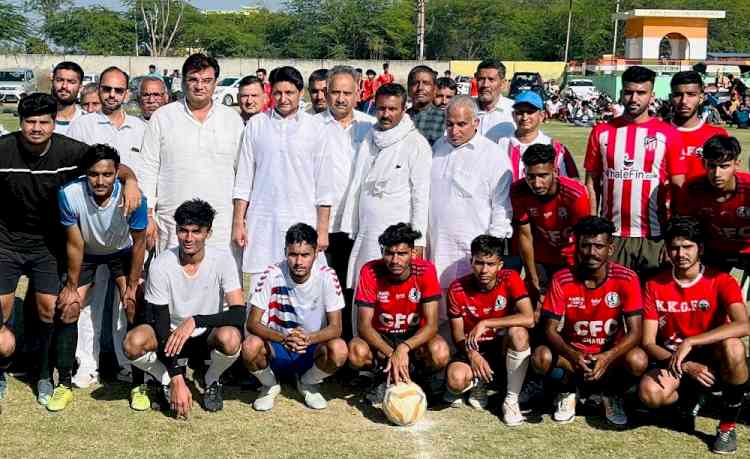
x=414, y=295
x=562, y=212
x=703, y=305
x=533, y=212
x=651, y=143
x=383, y=296
x=500, y=303
x=612, y=299
x=743, y=212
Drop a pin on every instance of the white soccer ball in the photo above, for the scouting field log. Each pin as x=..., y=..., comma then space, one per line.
x=404, y=404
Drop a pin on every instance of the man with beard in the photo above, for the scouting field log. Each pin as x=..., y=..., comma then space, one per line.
x=390, y=181
x=251, y=97
x=114, y=127
x=495, y=110
x=316, y=86
x=427, y=118
x=630, y=163
x=152, y=95
x=66, y=82
x=446, y=90
x=597, y=347
x=687, y=100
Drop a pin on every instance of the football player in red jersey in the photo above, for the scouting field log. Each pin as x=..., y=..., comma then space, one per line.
x=397, y=300
x=694, y=318
x=721, y=202
x=545, y=208
x=489, y=310
x=687, y=100
x=600, y=302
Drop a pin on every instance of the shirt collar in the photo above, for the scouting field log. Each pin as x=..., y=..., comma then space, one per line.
x=103, y=119
x=472, y=143
x=189, y=112
x=276, y=116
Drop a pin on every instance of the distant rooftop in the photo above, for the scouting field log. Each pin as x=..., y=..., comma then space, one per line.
x=697, y=14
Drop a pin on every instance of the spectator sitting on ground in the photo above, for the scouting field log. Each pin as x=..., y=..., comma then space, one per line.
x=741, y=116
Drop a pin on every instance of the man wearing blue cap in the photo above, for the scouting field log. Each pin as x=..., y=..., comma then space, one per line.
x=528, y=114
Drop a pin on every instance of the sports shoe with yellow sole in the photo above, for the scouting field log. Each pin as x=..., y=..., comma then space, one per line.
x=61, y=398
x=139, y=400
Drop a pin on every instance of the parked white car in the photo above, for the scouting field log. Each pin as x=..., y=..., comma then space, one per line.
x=16, y=83
x=226, y=90
x=582, y=89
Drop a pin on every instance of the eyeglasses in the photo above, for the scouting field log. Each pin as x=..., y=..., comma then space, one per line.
x=148, y=95
x=196, y=81
x=108, y=89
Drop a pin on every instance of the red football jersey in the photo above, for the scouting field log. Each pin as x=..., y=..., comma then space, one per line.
x=467, y=302
x=397, y=304
x=593, y=317
x=635, y=161
x=689, y=310
x=552, y=218
x=694, y=138
x=728, y=222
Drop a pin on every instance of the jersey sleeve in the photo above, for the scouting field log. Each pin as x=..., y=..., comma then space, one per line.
x=367, y=291
x=157, y=284
x=677, y=163
x=138, y=220
x=632, y=300
x=554, y=303
x=453, y=300
x=68, y=217
x=729, y=291
x=593, y=160
x=333, y=299
x=429, y=285
x=649, y=302
x=261, y=291
x=230, y=274
x=516, y=287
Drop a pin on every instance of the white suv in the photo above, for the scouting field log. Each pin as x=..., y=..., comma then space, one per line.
x=226, y=90
x=582, y=89
x=15, y=83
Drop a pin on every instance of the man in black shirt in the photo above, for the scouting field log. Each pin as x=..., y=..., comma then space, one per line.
x=34, y=164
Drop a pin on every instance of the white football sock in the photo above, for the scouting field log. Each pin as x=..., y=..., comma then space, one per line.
x=219, y=364
x=150, y=363
x=265, y=376
x=314, y=375
x=516, y=363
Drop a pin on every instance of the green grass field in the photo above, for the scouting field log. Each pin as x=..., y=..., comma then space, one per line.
x=99, y=422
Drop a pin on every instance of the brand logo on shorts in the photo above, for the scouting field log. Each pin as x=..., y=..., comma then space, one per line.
x=383, y=297
x=500, y=303
x=743, y=212
x=562, y=212
x=703, y=305
x=414, y=295
x=612, y=299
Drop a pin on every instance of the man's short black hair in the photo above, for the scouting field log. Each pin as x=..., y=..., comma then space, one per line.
x=69, y=65
x=199, y=61
x=288, y=74
x=301, y=232
x=722, y=148
x=487, y=245
x=538, y=154
x=685, y=227
x=152, y=66
x=262, y=70
x=99, y=152
x=400, y=233
x=248, y=80
x=638, y=74
x=386, y=65
x=37, y=104
x=492, y=64
x=317, y=75
x=114, y=68
x=686, y=77
x=445, y=82
x=593, y=226
x=195, y=212
x=392, y=89
x=371, y=72
x=420, y=69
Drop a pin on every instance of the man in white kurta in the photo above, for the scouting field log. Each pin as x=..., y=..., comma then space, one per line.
x=190, y=151
x=284, y=176
x=495, y=110
x=390, y=181
x=469, y=192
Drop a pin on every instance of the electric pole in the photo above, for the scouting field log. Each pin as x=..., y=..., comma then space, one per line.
x=614, y=40
x=567, y=36
x=421, y=7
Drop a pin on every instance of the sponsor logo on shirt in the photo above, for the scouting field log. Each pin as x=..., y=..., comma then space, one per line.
x=612, y=299
x=628, y=174
x=577, y=302
x=399, y=321
x=414, y=295
x=500, y=303
x=591, y=330
x=682, y=306
x=384, y=297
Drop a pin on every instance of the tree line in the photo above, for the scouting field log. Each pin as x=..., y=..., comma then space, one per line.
x=344, y=29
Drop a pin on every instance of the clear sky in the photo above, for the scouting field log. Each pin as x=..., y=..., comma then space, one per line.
x=201, y=4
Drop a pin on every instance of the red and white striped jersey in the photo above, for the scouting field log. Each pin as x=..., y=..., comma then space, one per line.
x=564, y=162
x=635, y=163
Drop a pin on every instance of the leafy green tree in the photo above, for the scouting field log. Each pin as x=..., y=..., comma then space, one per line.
x=15, y=27
x=92, y=30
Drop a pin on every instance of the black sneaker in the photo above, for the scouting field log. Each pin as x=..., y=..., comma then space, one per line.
x=725, y=442
x=213, y=399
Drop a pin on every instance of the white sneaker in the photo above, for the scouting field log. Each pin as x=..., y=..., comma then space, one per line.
x=376, y=394
x=85, y=378
x=566, y=407
x=454, y=400
x=614, y=410
x=313, y=398
x=266, y=397
x=478, y=395
x=512, y=415
x=125, y=374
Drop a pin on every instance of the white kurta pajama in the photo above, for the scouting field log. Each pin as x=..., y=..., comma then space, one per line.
x=183, y=159
x=469, y=196
x=284, y=173
x=390, y=184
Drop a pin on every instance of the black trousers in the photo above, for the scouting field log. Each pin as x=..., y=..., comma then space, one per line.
x=337, y=255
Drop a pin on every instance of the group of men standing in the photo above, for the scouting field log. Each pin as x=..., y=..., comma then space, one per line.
x=421, y=213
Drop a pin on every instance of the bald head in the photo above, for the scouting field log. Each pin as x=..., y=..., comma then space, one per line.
x=461, y=121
